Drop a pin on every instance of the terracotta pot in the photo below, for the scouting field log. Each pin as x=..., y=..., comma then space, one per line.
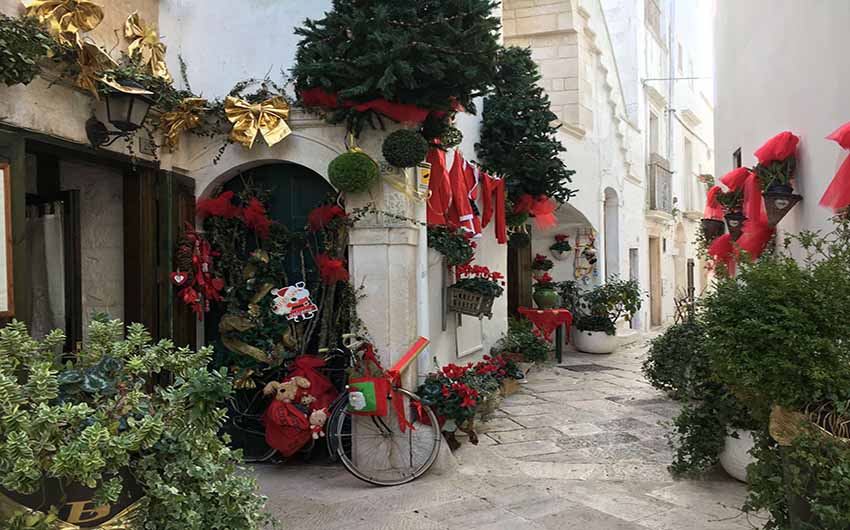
x=546, y=298
x=594, y=341
x=735, y=456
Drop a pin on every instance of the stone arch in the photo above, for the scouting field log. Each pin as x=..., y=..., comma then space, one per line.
x=611, y=232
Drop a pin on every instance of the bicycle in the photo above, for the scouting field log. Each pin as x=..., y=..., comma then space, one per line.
x=389, y=449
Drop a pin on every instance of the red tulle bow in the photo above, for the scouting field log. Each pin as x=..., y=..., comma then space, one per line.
x=722, y=250
x=754, y=238
x=713, y=210
x=320, y=217
x=837, y=195
x=542, y=208
x=331, y=270
x=254, y=217
x=221, y=206
x=777, y=148
x=401, y=112
x=735, y=178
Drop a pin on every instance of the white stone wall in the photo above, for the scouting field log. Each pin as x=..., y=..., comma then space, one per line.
x=786, y=72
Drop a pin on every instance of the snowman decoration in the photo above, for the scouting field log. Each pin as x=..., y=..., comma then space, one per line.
x=294, y=303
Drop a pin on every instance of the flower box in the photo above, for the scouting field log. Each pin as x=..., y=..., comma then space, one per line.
x=469, y=303
x=510, y=386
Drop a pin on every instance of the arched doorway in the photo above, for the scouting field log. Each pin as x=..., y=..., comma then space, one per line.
x=612, y=233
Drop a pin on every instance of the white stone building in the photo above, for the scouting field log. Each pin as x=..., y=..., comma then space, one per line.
x=768, y=83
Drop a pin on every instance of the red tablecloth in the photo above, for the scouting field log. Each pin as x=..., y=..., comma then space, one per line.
x=547, y=320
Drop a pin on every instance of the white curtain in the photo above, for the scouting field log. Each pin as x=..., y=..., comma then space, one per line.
x=47, y=268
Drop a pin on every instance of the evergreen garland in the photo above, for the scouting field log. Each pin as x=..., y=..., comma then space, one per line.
x=518, y=140
x=428, y=53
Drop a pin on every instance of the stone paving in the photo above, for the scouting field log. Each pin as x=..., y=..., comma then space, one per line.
x=579, y=447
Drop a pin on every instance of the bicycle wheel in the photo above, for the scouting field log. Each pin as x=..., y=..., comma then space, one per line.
x=375, y=450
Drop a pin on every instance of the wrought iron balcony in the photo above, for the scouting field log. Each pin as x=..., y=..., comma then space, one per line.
x=660, y=193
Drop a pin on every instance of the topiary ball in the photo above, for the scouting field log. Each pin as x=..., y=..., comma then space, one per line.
x=405, y=148
x=451, y=137
x=353, y=172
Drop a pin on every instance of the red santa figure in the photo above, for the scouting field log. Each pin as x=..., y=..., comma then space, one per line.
x=294, y=303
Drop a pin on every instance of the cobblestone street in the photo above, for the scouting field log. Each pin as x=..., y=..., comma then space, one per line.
x=579, y=447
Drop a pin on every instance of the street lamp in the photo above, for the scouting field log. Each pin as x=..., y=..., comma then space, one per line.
x=127, y=107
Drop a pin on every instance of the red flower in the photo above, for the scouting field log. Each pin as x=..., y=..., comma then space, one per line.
x=221, y=206
x=539, y=258
x=331, y=270
x=320, y=217
x=546, y=278
x=467, y=402
x=560, y=238
x=254, y=217
x=777, y=148
x=453, y=371
x=445, y=391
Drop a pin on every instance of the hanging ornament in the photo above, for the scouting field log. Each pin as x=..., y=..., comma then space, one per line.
x=184, y=118
x=294, y=303
x=145, y=47
x=179, y=278
x=267, y=119
x=66, y=19
x=198, y=286
x=91, y=61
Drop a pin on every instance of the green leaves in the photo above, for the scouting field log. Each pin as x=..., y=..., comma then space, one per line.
x=23, y=44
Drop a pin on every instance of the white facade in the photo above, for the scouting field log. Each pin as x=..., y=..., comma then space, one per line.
x=785, y=72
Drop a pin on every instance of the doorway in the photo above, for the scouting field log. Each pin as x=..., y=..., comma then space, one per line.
x=634, y=275
x=612, y=234
x=655, y=289
x=519, y=278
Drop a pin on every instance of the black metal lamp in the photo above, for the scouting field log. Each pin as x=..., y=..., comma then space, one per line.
x=127, y=107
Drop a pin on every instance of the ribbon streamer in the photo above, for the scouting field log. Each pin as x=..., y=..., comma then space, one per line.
x=145, y=46
x=713, y=210
x=267, y=119
x=542, y=208
x=837, y=195
x=185, y=117
x=67, y=19
x=91, y=60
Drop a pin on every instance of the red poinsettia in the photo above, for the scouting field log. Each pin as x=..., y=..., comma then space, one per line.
x=560, y=238
x=331, y=270
x=256, y=219
x=453, y=371
x=545, y=278
x=221, y=206
x=778, y=148
x=320, y=217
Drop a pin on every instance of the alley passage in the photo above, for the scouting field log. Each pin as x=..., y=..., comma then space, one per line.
x=579, y=447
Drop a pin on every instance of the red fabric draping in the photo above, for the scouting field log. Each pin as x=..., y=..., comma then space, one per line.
x=494, y=192
x=542, y=208
x=837, y=195
x=722, y=250
x=321, y=388
x=439, y=186
x=778, y=148
x=735, y=178
x=713, y=210
x=753, y=200
x=473, y=179
x=547, y=320
x=460, y=210
x=754, y=238
x=401, y=112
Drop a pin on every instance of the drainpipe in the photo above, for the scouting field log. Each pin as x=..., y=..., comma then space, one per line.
x=423, y=308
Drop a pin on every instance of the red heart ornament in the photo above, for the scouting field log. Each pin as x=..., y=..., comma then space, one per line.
x=218, y=284
x=179, y=278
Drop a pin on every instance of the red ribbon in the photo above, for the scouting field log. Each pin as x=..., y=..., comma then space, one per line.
x=722, y=250
x=713, y=210
x=394, y=379
x=401, y=112
x=542, y=208
x=837, y=195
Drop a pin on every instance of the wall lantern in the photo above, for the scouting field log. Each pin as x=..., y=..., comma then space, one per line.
x=127, y=107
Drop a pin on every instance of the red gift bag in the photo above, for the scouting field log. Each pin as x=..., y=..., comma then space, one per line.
x=287, y=427
x=321, y=387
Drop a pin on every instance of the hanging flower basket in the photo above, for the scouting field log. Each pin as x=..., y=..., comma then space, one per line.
x=470, y=303
x=735, y=224
x=778, y=204
x=713, y=228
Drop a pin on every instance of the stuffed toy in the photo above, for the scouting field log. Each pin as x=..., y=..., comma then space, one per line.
x=291, y=390
x=317, y=422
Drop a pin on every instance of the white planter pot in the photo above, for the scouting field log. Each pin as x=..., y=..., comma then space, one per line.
x=735, y=456
x=594, y=341
x=561, y=255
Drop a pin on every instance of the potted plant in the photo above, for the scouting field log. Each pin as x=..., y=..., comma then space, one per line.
x=561, y=248
x=504, y=368
x=732, y=203
x=545, y=295
x=99, y=439
x=452, y=242
x=599, y=310
x=777, y=334
x=522, y=345
x=475, y=290
x=541, y=265
x=777, y=164
x=713, y=426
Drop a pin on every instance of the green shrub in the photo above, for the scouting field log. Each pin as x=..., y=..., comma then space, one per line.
x=600, y=308
x=522, y=339
x=86, y=420
x=677, y=362
x=23, y=44
x=405, y=148
x=353, y=172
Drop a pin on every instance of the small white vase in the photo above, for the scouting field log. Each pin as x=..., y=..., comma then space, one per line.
x=735, y=456
x=594, y=341
x=560, y=255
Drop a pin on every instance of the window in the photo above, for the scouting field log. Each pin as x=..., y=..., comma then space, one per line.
x=653, y=133
x=736, y=159
x=652, y=13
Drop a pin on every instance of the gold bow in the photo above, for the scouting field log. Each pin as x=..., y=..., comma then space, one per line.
x=131, y=518
x=185, y=117
x=267, y=118
x=67, y=19
x=145, y=46
x=91, y=60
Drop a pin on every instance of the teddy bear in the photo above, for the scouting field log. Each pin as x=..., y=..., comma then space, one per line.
x=291, y=390
x=317, y=422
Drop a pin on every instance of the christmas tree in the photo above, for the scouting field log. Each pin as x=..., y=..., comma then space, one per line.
x=518, y=138
x=431, y=54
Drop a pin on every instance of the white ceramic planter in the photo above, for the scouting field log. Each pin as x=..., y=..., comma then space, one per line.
x=595, y=341
x=560, y=255
x=735, y=456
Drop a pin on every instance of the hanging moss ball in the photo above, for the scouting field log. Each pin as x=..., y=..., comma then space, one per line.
x=451, y=137
x=353, y=172
x=405, y=148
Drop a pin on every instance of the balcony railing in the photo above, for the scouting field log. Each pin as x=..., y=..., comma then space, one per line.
x=660, y=184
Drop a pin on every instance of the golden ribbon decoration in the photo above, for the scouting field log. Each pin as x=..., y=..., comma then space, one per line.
x=267, y=118
x=66, y=19
x=145, y=46
x=185, y=117
x=130, y=518
x=91, y=60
